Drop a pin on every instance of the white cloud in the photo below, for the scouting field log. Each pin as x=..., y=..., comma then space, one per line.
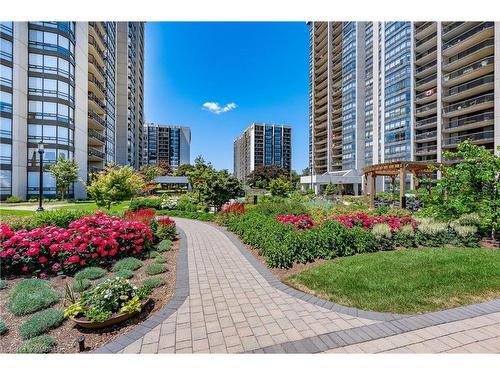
x=216, y=108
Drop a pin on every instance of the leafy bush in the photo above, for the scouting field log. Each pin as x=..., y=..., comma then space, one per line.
x=432, y=233
x=155, y=269
x=161, y=259
x=3, y=284
x=109, y=297
x=166, y=229
x=280, y=187
x=153, y=254
x=90, y=273
x=41, y=323
x=13, y=199
x=58, y=218
x=125, y=274
x=383, y=235
x=38, y=345
x=31, y=295
x=130, y=264
x=203, y=216
x=142, y=215
x=146, y=202
x=153, y=282
x=164, y=245
x=3, y=328
x=279, y=207
x=79, y=285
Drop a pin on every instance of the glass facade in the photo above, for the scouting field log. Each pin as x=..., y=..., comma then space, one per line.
x=51, y=101
x=6, y=60
x=349, y=95
x=110, y=41
x=369, y=93
x=397, y=89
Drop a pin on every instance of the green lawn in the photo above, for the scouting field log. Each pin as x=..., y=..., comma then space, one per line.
x=84, y=205
x=406, y=281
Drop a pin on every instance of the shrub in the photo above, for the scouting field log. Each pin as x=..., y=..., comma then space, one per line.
x=38, y=345
x=280, y=187
x=203, y=216
x=109, y=297
x=404, y=237
x=3, y=284
x=58, y=218
x=279, y=207
x=90, y=273
x=300, y=222
x=233, y=209
x=155, y=269
x=41, y=323
x=153, y=254
x=125, y=274
x=360, y=219
x=79, y=285
x=3, y=328
x=13, y=199
x=153, y=282
x=30, y=296
x=90, y=240
x=142, y=215
x=164, y=245
x=161, y=259
x=149, y=202
x=432, y=233
x=130, y=264
x=166, y=229
x=383, y=235
x=398, y=212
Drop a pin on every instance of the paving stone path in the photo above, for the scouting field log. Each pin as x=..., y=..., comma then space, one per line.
x=227, y=302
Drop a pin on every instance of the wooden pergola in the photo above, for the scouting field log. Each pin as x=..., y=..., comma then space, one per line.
x=394, y=169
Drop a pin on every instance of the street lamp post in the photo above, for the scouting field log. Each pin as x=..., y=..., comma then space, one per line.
x=40, y=185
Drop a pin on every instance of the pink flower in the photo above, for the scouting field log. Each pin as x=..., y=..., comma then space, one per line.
x=42, y=260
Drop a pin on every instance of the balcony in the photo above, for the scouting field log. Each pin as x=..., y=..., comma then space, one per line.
x=95, y=138
x=426, y=136
x=424, y=70
x=426, y=56
x=469, y=72
x=96, y=121
x=453, y=29
x=96, y=86
x=96, y=50
x=472, y=54
x=475, y=87
x=425, y=29
x=469, y=122
x=97, y=105
x=426, y=110
x=95, y=155
x=426, y=150
x=99, y=37
x=426, y=96
x=426, y=43
x=426, y=83
x=476, y=138
x=469, y=38
x=470, y=105
x=95, y=68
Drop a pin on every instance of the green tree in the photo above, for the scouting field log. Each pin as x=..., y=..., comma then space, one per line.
x=114, y=184
x=470, y=185
x=184, y=169
x=330, y=190
x=199, y=174
x=280, y=187
x=263, y=174
x=65, y=172
x=219, y=187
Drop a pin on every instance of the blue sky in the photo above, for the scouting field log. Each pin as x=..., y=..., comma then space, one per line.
x=262, y=67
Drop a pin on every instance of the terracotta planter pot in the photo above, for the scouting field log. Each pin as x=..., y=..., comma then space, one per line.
x=115, y=319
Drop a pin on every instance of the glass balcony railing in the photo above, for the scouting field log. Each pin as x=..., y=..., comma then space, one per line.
x=427, y=121
x=469, y=103
x=426, y=108
x=459, y=122
x=426, y=135
x=488, y=43
x=426, y=80
x=481, y=136
x=468, y=69
x=418, y=56
x=423, y=26
x=489, y=79
x=450, y=27
x=468, y=34
x=425, y=67
x=424, y=40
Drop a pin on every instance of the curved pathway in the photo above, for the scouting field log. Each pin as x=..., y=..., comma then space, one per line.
x=227, y=302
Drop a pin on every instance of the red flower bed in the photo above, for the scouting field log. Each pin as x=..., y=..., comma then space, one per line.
x=364, y=221
x=166, y=221
x=300, y=222
x=233, y=208
x=143, y=215
x=90, y=240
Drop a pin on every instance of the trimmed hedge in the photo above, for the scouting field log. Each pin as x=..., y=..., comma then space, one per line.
x=41, y=323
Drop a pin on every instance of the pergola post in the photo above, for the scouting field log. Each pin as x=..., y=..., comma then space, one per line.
x=402, y=186
x=417, y=184
x=393, y=184
x=373, y=190
x=365, y=185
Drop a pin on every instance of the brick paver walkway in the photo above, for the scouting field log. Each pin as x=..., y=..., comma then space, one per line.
x=228, y=303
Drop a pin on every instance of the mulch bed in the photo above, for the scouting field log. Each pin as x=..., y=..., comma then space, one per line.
x=67, y=334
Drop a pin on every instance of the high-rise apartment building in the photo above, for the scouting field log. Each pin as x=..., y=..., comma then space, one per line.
x=388, y=91
x=262, y=144
x=58, y=86
x=168, y=144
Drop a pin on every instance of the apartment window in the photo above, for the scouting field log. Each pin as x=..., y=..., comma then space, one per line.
x=5, y=102
x=5, y=154
x=5, y=127
x=5, y=182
